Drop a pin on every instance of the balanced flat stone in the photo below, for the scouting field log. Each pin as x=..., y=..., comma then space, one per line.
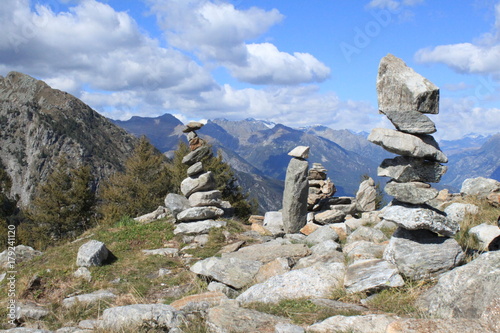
x=406, y=144
x=422, y=254
x=197, y=155
x=195, y=169
x=198, y=227
x=206, y=198
x=409, y=169
x=295, y=196
x=204, y=182
x=412, y=122
x=300, y=152
x=193, y=126
x=414, y=217
x=411, y=192
x=199, y=213
x=400, y=88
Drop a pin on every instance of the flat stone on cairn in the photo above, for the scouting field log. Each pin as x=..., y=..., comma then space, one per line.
x=403, y=96
x=193, y=126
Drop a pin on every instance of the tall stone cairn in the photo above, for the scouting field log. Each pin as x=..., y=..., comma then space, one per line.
x=320, y=187
x=405, y=96
x=296, y=191
x=205, y=201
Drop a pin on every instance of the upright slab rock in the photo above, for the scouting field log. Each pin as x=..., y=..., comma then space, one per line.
x=295, y=195
x=366, y=196
x=400, y=88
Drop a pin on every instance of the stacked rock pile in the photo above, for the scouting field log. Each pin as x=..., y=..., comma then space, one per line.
x=204, y=202
x=320, y=187
x=404, y=96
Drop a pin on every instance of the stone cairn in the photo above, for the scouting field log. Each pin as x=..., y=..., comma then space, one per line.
x=320, y=187
x=201, y=202
x=404, y=96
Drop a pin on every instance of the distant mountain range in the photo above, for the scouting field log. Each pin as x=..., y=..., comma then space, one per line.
x=258, y=150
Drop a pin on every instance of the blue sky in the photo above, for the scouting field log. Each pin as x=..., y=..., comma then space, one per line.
x=294, y=62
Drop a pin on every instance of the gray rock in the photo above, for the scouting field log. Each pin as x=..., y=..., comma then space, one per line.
x=206, y=198
x=329, y=216
x=234, y=272
x=23, y=253
x=457, y=211
x=338, y=306
x=450, y=325
x=199, y=213
x=409, y=169
x=300, y=152
x=231, y=318
x=421, y=254
x=400, y=88
x=26, y=330
x=479, y=186
x=370, y=275
x=366, y=196
x=204, y=182
x=26, y=311
x=176, y=203
x=137, y=316
x=372, y=323
x=199, y=227
x=485, y=234
x=288, y=328
x=466, y=291
x=367, y=234
x=276, y=267
x=92, y=253
x=295, y=196
x=167, y=252
x=316, y=281
x=270, y=251
x=325, y=252
x=96, y=296
x=221, y=287
x=406, y=144
x=197, y=155
x=321, y=234
x=412, y=192
x=195, y=169
x=159, y=213
x=273, y=221
x=412, y=122
x=362, y=249
x=348, y=209
x=84, y=273
x=414, y=217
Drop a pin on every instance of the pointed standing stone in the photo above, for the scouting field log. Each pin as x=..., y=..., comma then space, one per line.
x=295, y=196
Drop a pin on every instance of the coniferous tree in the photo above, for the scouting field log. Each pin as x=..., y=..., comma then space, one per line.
x=141, y=188
x=64, y=203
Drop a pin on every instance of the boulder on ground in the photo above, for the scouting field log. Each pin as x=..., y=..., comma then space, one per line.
x=480, y=186
x=139, y=316
x=457, y=211
x=198, y=227
x=176, y=203
x=159, y=213
x=315, y=281
x=372, y=323
x=273, y=221
x=421, y=254
x=96, y=296
x=269, y=251
x=450, y=325
x=23, y=253
x=92, y=253
x=367, y=234
x=371, y=275
x=467, y=291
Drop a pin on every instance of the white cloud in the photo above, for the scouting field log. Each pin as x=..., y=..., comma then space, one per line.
x=479, y=57
x=266, y=64
x=217, y=31
x=92, y=45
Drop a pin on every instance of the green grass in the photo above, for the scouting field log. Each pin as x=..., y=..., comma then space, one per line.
x=300, y=311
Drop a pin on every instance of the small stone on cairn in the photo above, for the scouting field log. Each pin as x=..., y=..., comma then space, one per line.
x=320, y=187
x=404, y=96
